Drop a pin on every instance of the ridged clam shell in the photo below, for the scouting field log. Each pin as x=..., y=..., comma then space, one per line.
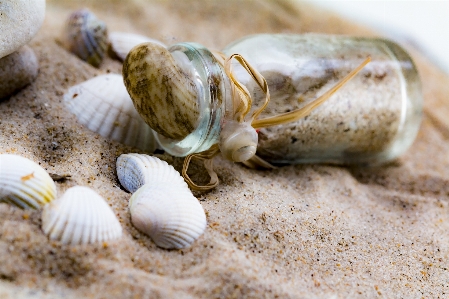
x=80, y=216
x=86, y=36
x=24, y=183
x=169, y=214
x=136, y=170
x=121, y=43
x=103, y=105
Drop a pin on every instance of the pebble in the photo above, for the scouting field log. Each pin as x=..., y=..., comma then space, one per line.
x=19, y=22
x=17, y=70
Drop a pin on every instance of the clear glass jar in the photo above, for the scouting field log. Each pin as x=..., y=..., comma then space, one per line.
x=372, y=119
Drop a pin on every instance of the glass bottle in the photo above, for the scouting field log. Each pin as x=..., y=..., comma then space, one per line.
x=374, y=118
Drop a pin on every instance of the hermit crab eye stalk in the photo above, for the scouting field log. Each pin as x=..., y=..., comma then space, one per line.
x=238, y=141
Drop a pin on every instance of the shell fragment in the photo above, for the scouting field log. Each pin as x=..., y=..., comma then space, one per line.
x=122, y=43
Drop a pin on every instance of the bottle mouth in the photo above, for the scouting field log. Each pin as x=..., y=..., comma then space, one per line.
x=213, y=91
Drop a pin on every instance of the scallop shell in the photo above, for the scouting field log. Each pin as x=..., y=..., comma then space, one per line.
x=103, y=105
x=80, y=216
x=121, y=43
x=135, y=170
x=168, y=213
x=86, y=36
x=24, y=183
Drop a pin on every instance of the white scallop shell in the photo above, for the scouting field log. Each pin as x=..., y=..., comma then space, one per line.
x=169, y=214
x=135, y=170
x=122, y=43
x=24, y=183
x=103, y=105
x=80, y=216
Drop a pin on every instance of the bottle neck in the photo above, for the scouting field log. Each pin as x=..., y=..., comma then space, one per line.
x=213, y=93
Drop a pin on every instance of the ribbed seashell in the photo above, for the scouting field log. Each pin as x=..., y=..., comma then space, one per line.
x=80, y=216
x=168, y=213
x=86, y=36
x=24, y=183
x=103, y=105
x=136, y=170
x=163, y=89
x=122, y=43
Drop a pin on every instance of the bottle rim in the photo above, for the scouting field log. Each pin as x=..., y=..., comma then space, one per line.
x=213, y=90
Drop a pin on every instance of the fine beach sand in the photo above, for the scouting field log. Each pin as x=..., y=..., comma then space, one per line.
x=304, y=231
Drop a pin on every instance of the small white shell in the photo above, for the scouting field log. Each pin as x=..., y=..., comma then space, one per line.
x=24, y=183
x=122, y=43
x=169, y=214
x=80, y=216
x=136, y=170
x=103, y=105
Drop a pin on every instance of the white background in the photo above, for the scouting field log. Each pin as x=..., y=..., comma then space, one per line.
x=425, y=23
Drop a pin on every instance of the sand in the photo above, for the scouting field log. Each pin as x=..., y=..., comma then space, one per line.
x=303, y=231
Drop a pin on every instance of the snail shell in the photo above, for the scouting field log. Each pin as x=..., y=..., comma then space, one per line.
x=238, y=141
x=80, y=216
x=86, y=36
x=135, y=170
x=163, y=89
x=168, y=213
x=24, y=183
x=103, y=105
x=122, y=43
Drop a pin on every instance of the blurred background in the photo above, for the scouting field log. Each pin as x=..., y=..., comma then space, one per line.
x=424, y=24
